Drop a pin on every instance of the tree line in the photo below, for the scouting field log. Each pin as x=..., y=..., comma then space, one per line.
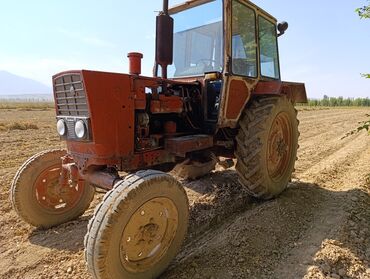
x=339, y=102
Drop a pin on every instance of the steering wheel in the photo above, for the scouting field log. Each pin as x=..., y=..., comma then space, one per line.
x=206, y=62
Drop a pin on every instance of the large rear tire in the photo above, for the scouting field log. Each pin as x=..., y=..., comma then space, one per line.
x=37, y=197
x=138, y=228
x=267, y=145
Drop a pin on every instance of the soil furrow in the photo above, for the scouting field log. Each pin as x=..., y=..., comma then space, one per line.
x=318, y=228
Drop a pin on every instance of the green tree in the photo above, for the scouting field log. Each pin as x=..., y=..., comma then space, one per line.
x=364, y=12
x=325, y=101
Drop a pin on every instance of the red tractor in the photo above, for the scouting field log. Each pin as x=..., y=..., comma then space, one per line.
x=219, y=94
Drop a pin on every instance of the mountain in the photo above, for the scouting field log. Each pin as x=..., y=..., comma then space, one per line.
x=11, y=84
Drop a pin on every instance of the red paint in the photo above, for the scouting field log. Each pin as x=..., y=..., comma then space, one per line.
x=238, y=95
x=170, y=127
x=135, y=63
x=268, y=87
x=166, y=104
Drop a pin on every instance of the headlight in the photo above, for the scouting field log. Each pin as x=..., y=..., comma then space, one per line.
x=61, y=127
x=80, y=129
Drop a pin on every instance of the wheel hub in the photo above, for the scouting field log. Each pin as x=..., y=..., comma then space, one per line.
x=148, y=234
x=54, y=197
x=279, y=146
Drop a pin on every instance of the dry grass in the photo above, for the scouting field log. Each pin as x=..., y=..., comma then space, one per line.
x=18, y=126
x=3, y=127
x=24, y=105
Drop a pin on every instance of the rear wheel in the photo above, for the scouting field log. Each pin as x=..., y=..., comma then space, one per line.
x=267, y=145
x=138, y=228
x=37, y=196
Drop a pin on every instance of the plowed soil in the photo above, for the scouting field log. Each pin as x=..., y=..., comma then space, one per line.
x=318, y=228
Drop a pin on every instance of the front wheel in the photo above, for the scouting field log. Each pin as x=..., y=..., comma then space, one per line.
x=138, y=228
x=37, y=196
x=267, y=145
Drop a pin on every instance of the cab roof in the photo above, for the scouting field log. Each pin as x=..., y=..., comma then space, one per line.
x=194, y=3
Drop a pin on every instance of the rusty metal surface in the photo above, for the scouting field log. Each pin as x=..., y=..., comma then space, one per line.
x=295, y=91
x=58, y=190
x=181, y=145
x=166, y=104
x=102, y=179
x=164, y=42
x=187, y=5
x=110, y=100
x=268, y=87
x=238, y=96
x=146, y=159
x=135, y=63
x=230, y=111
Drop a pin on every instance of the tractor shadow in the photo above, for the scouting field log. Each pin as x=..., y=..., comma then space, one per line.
x=65, y=237
x=208, y=196
x=214, y=198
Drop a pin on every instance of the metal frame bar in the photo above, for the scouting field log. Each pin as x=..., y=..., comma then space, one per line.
x=187, y=5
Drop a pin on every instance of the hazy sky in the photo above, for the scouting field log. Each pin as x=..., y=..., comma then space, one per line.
x=326, y=45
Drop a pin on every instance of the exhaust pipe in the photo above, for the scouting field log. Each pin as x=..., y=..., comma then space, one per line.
x=165, y=7
x=164, y=40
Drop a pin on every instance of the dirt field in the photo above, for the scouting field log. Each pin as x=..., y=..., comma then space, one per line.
x=318, y=228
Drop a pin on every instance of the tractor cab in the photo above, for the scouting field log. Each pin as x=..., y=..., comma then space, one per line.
x=235, y=34
x=231, y=47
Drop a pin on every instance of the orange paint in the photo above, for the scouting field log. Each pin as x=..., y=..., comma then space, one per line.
x=135, y=63
x=167, y=104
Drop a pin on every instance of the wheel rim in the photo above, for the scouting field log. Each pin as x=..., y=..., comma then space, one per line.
x=148, y=234
x=279, y=146
x=53, y=197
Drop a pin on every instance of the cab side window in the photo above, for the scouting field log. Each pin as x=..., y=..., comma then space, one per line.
x=268, y=49
x=244, y=43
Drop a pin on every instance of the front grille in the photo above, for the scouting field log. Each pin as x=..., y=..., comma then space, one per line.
x=70, y=95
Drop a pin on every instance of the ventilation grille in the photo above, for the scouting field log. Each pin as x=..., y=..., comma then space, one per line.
x=70, y=96
x=71, y=129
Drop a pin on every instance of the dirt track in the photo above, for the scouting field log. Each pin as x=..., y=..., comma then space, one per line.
x=318, y=228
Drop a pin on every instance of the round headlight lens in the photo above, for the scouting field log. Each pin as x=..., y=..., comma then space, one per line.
x=80, y=129
x=61, y=127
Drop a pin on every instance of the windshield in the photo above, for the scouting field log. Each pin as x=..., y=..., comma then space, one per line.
x=198, y=41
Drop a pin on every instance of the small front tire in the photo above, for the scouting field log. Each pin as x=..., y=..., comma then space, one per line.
x=37, y=197
x=138, y=228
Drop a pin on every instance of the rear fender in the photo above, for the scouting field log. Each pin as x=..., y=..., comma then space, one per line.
x=238, y=91
x=295, y=91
